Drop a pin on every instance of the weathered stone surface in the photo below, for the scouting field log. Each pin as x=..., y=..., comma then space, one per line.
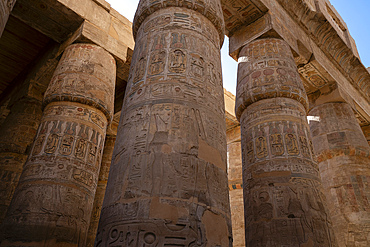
x=344, y=157
x=284, y=203
x=53, y=201
x=168, y=182
x=236, y=192
x=6, y=7
x=16, y=136
x=102, y=183
x=366, y=130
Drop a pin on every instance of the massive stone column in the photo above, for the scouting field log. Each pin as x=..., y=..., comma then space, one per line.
x=16, y=137
x=6, y=7
x=284, y=203
x=168, y=184
x=344, y=161
x=102, y=183
x=53, y=201
x=236, y=192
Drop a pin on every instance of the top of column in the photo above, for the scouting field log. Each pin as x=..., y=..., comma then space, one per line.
x=211, y=9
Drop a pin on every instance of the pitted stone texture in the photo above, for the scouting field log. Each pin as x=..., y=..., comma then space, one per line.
x=85, y=74
x=267, y=70
x=16, y=136
x=6, y=7
x=54, y=198
x=168, y=184
x=210, y=9
x=236, y=192
x=284, y=203
x=344, y=159
x=53, y=201
x=101, y=187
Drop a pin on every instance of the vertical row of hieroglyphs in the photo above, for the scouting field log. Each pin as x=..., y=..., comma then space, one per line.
x=53, y=201
x=102, y=182
x=168, y=180
x=283, y=197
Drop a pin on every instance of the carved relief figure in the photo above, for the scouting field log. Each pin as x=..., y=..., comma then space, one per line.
x=178, y=61
x=276, y=140
x=197, y=66
x=261, y=143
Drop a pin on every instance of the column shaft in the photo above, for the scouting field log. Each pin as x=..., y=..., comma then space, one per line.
x=236, y=192
x=102, y=185
x=344, y=161
x=284, y=203
x=16, y=137
x=53, y=201
x=168, y=184
x=6, y=7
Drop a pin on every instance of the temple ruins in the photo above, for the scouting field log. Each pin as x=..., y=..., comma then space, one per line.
x=115, y=133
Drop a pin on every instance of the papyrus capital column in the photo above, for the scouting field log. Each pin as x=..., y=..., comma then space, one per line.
x=344, y=160
x=168, y=178
x=53, y=201
x=284, y=203
x=6, y=7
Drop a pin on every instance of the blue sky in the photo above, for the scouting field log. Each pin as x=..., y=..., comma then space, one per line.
x=356, y=13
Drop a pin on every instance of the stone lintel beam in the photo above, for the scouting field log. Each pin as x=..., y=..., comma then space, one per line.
x=324, y=30
x=329, y=94
x=308, y=53
x=233, y=135
x=34, y=79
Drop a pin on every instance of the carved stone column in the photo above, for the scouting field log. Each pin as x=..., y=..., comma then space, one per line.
x=6, y=7
x=16, y=136
x=344, y=160
x=236, y=192
x=168, y=178
x=284, y=203
x=102, y=183
x=53, y=201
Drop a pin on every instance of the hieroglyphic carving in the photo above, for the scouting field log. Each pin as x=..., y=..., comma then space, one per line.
x=169, y=162
x=54, y=198
x=284, y=204
x=343, y=158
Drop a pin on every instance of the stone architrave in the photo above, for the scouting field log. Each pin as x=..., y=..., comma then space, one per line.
x=110, y=139
x=168, y=178
x=284, y=203
x=6, y=7
x=236, y=192
x=344, y=161
x=53, y=201
x=16, y=136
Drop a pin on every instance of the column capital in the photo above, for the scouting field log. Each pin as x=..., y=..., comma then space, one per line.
x=210, y=9
x=80, y=77
x=267, y=70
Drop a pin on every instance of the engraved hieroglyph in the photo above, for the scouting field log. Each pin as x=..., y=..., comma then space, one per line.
x=168, y=183
x=53, y=201
x=284, y=203
x=344, y=158
x=102, y=183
